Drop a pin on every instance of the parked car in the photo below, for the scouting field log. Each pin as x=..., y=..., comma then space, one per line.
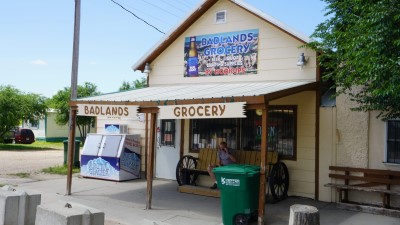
x=24, y=136
x=8, y=137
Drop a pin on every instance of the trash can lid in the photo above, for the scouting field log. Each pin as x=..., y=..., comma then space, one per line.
x=76, y=140
x=237, y=169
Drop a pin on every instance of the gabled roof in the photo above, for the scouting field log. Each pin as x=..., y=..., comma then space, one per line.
x=174, y=33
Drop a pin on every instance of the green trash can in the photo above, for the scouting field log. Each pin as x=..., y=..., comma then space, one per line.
x=239, y=186
x=76, y=162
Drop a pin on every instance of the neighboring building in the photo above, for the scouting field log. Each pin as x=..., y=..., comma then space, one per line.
x=46, y=129
x=357, y=139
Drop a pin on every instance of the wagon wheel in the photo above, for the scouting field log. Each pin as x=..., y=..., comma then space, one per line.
x=240, y=219
x=183, y=175
x=279, y=181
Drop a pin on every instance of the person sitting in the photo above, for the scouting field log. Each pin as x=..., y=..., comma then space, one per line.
x=225, y=157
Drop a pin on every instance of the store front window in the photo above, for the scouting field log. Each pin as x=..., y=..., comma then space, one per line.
x=246, y=133
x=208, y=133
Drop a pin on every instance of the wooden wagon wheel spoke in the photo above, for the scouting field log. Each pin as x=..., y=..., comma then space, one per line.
x=279, y=181
x=183, y=173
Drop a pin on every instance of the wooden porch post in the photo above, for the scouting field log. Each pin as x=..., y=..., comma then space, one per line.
x=146, y=143
x=150, y=160
x=264, y=136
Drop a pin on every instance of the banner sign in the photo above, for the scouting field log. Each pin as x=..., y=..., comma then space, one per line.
x=203, y=111
x=110, y=111
x=233, y=53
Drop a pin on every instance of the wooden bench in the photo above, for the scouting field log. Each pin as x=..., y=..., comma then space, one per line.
x=189, y=168
x=368, y=180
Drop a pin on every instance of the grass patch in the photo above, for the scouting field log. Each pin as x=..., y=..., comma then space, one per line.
x=21, y=175
x=61, y=170
x=2, y=185
x=37, y=145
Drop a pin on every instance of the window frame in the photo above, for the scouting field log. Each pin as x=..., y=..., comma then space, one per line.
x=225, y=18
x=386, y=142
x=173, y=132
x=294, y=108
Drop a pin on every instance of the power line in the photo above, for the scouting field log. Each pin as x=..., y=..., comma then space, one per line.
x=147, y=14
x=137, y=16
x=161, y=9
x=173, y=6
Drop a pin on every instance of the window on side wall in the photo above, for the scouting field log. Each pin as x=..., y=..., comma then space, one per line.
x=34, y=124
x=168, y=133
x=393, y=141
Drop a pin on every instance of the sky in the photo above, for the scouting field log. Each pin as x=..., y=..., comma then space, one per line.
x=36, y=38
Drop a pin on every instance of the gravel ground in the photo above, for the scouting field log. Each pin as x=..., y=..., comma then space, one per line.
x=12, y=162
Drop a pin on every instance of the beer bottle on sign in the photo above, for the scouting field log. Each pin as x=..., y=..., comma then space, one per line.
x=193, y=60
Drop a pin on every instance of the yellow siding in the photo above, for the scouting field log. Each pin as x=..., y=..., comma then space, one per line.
x=302, y=171
x=327, y=152
x=53, y=130
x=278, y=51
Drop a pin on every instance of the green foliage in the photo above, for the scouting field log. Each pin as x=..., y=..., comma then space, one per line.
x=60, y=102
x=16, y=106
x=138, y=83
x=360, y=46
x=61, y=170
x=21, y=175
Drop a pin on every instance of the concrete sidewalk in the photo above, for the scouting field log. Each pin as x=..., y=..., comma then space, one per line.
x=124, y=203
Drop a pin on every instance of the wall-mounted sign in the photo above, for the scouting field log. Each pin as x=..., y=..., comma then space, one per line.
x=110, y=111
x=233, y=53
x=203, y=111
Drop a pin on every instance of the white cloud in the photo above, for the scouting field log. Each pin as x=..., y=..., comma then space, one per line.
x=39, y=62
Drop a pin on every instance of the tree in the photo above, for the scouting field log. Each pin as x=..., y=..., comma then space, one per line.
x=60, y=102
x=360, y=46
x=16, y=106
x=138, y=83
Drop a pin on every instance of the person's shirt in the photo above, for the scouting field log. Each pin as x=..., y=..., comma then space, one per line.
x=224, y=157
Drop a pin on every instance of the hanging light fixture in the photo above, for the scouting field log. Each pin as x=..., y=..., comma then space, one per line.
x=302, y=60
x=147, y=70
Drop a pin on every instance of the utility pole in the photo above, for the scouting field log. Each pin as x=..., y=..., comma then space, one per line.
x=74, y=94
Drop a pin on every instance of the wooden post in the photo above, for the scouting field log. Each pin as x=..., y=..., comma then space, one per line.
x=303, y=215
x=74, y=94
x=146, y=143
x=182, y=139
x=150, y=160
x=71, y=147
x=346, y=192
x=263, y=185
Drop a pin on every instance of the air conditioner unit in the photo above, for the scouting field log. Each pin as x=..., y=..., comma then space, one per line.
x=116, y=128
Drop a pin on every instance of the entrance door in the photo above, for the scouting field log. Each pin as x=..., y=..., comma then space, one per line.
x=168, y=146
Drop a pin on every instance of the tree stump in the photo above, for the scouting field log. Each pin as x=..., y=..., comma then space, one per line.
x=303, y=215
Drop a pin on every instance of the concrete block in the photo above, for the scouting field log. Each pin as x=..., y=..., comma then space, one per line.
x=17, y=207
x=63, y=213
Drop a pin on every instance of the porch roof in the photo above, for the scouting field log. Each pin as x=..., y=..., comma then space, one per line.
x=205, y=91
